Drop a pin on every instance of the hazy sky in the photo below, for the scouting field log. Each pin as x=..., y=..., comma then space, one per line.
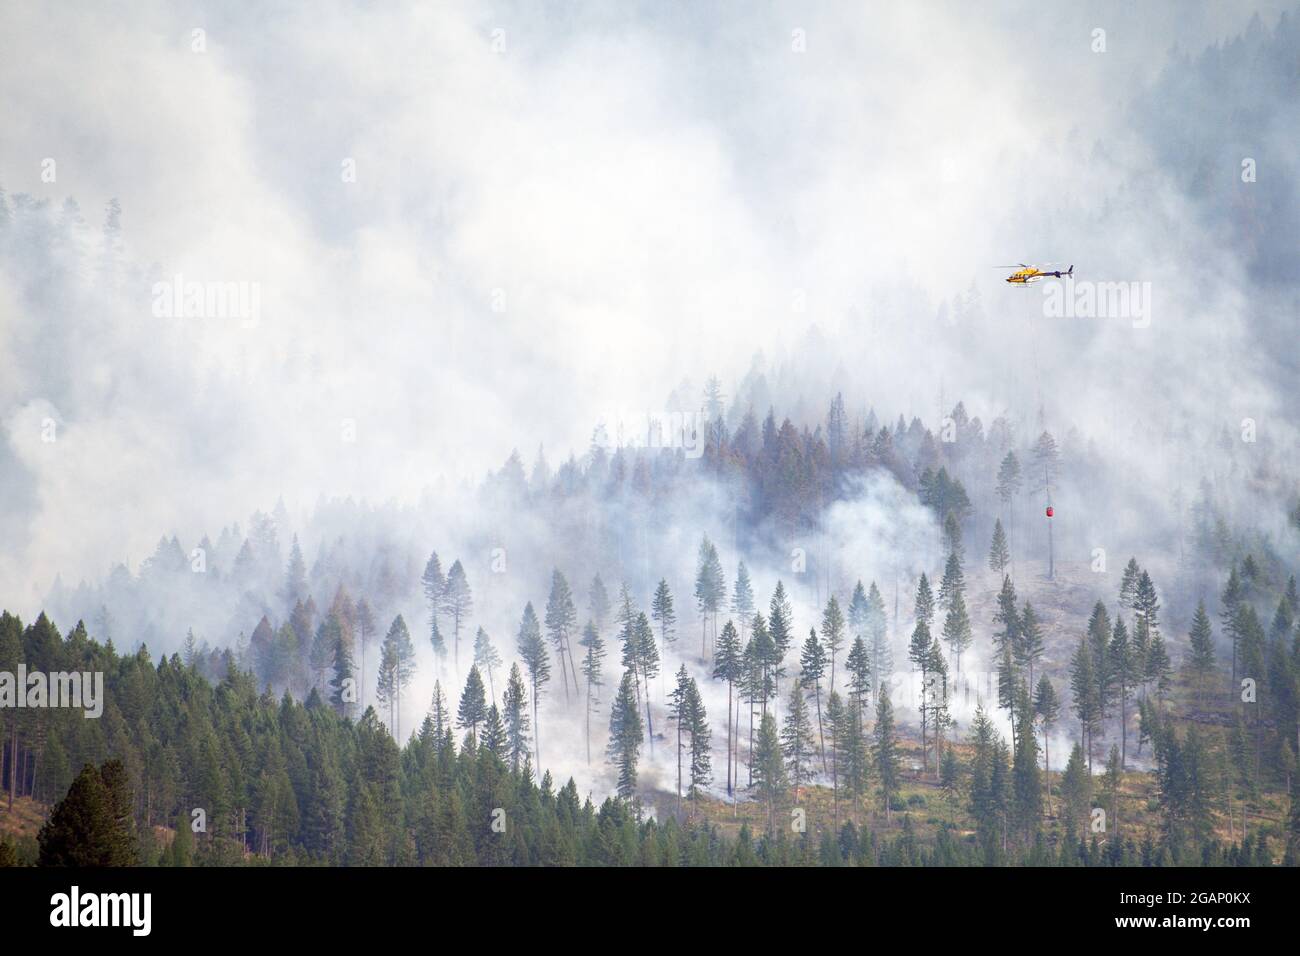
x=553, y=214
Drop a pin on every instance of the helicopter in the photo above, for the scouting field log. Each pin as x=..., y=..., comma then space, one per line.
x=1026, y=274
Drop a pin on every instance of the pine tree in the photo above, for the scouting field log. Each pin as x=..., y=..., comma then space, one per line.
x=343, y=687
x=742, y=598
x=486, y=659
x=646, y=657
x=592, y=671
x=1119, y=657
x=1110, y=784
x=516, y=719
x=473, y=703
x=598, y=603
x=1146, y=604
x=780, y=625
x=1007, y=619
x=885, y=754
x=434, y=584
x=1230, y=600
x=727, y=666
x=797, y=742
x=924, y=612
x=365, y=632
x=677, y=714
x=710, y=589
x=1083, y=690
x=833, y=633
x=767, y=769
x=1200, y=659
x=457, y=602
x=1027, y=787
x=1076, y=790
x=999, y=552
x=1029, y=648
x=1128, y=584
x=494, y=731
x=701, y=758
x=561, y=622
x=919, y=654
x=1047, y=708
x=532, y=651
x=625, y=735
x=295, y=576
x=859, y=668
x=396, y=667
x=812, y=668
x=92, y=825
x=661, y=609
x=882, y=655
x=957, y=629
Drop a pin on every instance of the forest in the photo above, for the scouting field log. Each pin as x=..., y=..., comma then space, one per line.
x=886, y=563
x=788, y=732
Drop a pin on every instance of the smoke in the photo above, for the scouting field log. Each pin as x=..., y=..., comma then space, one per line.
x=476, y=228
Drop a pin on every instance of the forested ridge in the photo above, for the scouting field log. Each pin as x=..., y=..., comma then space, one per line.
x=290, y=742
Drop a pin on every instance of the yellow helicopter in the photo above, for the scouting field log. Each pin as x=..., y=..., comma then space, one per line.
x=1025, y=274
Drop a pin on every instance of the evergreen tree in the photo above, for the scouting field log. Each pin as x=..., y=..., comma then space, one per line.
x=953, y=584
x=343, y=687
x=625, y=735
x=434, y=584
x=661, y=609
x=767, y=769
x=598, y=603
x=919, y=654
x=92, y=825
x=516, y=719
x=1047, y=708
x=561, y=622
x=727, y=667
x=592, y=671
x=859, y=668
x=677, y=714
x=486, y=659
x=473, y=703
x=882, y=655
x=1128, y=584
x=999, y=552
x=742, y=598
x=697, y=719
x=457, y=601
x=532, y=651
x=710, y=589
x=924, y=602
x=797, y=742
x=957, y=629
x=1200, y=659
x=396, y=667
x=780, y=625
x=1007, y=620
x=885, y=754
x=1083, y=690
x=1120, y=658
x=494, y=731
x=1029, y=648
x=812, y=668
x=833, y=633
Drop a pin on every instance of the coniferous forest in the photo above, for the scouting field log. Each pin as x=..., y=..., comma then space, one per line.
x=573, y=436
